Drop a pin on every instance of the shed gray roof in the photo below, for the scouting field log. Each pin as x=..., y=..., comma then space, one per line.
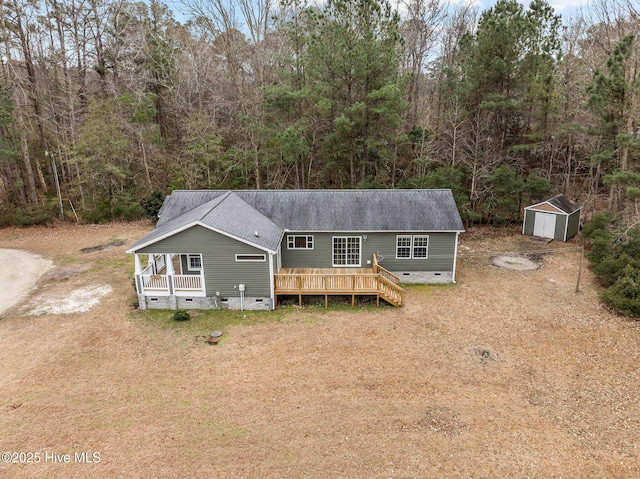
x=562, y=202
x=241, y=213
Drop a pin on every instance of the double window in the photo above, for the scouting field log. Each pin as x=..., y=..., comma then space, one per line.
x=346, y=250
x=300, y=242
x=412, y=246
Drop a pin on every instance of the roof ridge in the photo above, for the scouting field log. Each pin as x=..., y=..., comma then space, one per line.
x=335, y=190
x=218, y=201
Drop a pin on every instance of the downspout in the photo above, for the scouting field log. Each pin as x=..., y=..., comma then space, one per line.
x=241, y=289
x=272, y=286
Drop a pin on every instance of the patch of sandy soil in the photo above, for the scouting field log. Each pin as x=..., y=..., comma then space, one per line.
x=79, y=300
x=517, y=263
x=505, y=374
x=21, y=271
x=24, y=270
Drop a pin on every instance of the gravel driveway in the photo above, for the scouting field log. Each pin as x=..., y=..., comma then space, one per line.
x=20, y=272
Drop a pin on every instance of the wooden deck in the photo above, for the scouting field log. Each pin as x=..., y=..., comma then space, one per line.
x=352, y=282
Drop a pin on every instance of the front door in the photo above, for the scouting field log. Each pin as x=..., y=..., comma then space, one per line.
x=545, y=225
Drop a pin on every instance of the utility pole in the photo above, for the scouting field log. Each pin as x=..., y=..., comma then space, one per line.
x=55, y=177
x=580, y=269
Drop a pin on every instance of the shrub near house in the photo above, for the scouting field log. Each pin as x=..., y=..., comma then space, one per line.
x=615, y=256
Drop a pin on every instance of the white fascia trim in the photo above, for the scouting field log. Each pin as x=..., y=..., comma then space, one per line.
x=284, y=232
x=356, y=232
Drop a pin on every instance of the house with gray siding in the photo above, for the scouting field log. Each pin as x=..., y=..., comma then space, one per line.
x=244, y=249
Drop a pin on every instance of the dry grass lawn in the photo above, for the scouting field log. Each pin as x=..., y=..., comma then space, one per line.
x=505, y=374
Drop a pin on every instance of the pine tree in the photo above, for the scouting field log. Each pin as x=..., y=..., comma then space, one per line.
x=352, y=60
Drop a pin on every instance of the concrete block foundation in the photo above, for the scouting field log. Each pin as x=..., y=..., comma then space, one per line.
x=425, y=277
x=198, y=302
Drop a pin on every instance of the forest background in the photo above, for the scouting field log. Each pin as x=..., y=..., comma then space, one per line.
x=107, y=102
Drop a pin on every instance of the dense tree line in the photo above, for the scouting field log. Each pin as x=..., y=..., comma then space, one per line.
x=615, y=256
x=106, y=102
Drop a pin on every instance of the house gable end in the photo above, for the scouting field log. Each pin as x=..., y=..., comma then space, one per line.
x=222, y=214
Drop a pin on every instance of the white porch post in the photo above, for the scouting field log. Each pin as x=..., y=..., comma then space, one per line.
x=138, y=272
x=170, y=273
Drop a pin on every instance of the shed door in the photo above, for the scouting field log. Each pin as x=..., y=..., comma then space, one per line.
x=545, y=225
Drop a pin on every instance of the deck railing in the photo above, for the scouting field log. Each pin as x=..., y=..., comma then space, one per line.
x=156, y=283
x=310, y=283
x=382, y=283
x=148, y=270
x=187, y=282
x=391, y=291
x=181, y=284
x=384, y=272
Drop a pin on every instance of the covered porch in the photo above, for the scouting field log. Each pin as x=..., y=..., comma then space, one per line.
x=375, y=281
x=176, y=274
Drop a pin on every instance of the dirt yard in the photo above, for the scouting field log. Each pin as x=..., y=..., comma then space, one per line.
x=507, y=374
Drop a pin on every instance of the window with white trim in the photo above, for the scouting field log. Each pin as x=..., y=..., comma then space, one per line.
x=420, y=246
x=403, y=246
x=251, y=257
x=346, y=250
x=194, y=262
x=412, y=246
x=300, y=242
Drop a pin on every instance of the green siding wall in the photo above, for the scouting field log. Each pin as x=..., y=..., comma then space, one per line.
x=441, y=252
x=222, y=272
x=529, y=220
x=561, y=224
x=574, y=224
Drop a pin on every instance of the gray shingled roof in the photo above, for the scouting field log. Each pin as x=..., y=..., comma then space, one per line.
x=564, y=203
x=358, y=210
x=220, y=213
x=241, y=213
x=180, y=202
